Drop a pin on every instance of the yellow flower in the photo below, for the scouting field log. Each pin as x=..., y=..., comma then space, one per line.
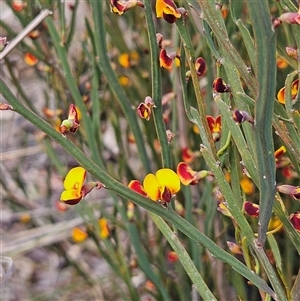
x=126, y=60
x=247, y=185
x=124, y=81
x=73, y=186
x=162, y=186
x=78, y=235
x=104, y=231
x=166, y=9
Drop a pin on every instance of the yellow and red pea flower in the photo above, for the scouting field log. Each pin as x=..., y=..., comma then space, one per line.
x=220, y=86
x=162, y=186
x=279, y=152
x=120, y=7
x=167, y=9
x=159, y=187
x=144, y=109
x=251, y=209
x=188, y=176
x=166, y=60
x=75, y=189
x=200, y=66
x=30, y=59
x=295, y=220
x=215, y=126
x=72, y=123
x=73, y=186
x=294, y=92
x=137, y=186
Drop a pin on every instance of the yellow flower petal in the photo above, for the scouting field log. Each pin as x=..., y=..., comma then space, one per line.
x=75, y=178
x=168, y=178
x=71, y=194
x=160, y=5
x=152, y=187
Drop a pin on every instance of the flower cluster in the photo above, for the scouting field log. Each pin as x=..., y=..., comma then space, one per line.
x=166, y=183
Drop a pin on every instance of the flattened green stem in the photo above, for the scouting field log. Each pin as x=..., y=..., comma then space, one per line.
x=264, y=105
x=184, y=258
x=110, y=183
x=156, y=88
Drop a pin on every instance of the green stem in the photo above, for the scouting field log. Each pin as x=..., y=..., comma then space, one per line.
x=264, y=105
